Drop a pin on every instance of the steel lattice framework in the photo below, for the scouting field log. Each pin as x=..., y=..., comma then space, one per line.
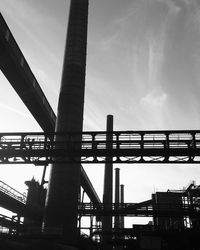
x=127, y=147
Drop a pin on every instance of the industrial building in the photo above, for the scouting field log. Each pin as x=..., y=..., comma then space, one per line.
x=52, y=218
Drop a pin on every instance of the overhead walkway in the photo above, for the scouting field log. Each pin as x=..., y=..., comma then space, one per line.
x=16, y=69
x=8, y=190
x=15, y=202
x=140, y=210
x=127, y=147
x=11, y=199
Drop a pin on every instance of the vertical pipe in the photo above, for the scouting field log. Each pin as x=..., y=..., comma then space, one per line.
x=117, y=181
x=61, y=210
x=43, y=176
x=122, y=201
x=108, y=189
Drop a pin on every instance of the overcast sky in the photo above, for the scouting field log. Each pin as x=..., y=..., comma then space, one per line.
x=142, y=66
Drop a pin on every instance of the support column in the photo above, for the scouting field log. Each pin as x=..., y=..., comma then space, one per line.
x=108, y=189
x=122, y=201
x=117, y=185
x=61, y=211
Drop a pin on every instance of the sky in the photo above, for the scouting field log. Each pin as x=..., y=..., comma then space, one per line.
x=143, y=59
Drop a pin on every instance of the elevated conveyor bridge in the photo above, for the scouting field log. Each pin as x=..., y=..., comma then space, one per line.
x=10, y=191
x=127, y=147
x=14, y=201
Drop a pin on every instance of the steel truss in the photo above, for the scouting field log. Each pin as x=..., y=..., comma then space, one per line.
x=127, y=147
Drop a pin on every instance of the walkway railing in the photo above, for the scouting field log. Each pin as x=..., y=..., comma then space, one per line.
x=8, y=190
x=127, y=147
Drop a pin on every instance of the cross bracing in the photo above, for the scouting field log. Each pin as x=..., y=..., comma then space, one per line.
x=127, y=147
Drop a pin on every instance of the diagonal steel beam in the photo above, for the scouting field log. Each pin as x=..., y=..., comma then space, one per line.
x=16, y=69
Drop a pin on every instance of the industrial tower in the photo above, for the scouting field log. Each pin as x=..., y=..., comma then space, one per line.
x=53, y=224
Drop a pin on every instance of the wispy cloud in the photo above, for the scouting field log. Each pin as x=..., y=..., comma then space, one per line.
x=8, y=108
x=155, y=99
x=180, y=66
x=152, y=55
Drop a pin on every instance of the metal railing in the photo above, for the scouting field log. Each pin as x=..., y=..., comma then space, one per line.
x=8, y=190
x=127, y=147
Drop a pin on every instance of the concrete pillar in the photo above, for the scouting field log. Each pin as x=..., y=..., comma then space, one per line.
x=108, y=189
x=61, y=209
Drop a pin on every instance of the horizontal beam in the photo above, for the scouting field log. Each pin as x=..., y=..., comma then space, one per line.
x=127, y=147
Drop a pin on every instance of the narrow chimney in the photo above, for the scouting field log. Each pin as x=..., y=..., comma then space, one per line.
x=122, y=201
x=117, y=183
x=108, y=189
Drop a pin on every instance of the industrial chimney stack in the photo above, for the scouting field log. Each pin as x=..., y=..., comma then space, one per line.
x=61, y=209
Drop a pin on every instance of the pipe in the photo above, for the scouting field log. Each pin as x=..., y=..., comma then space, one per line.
x=117, y=181
x=108, y=189
x=122, y=201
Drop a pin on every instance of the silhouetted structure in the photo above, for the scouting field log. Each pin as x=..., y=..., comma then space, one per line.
x=121, y=202
x=61, y=210
x=117, y=197
x=15, y=68
x=108, y=189
x=175, y=214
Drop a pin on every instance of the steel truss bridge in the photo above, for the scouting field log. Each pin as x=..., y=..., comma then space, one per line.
x=126, y=147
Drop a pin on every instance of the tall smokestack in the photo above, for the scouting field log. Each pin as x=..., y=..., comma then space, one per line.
x=122, y=201
x=61, y=209
x=117, y=181
x=108, y=189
